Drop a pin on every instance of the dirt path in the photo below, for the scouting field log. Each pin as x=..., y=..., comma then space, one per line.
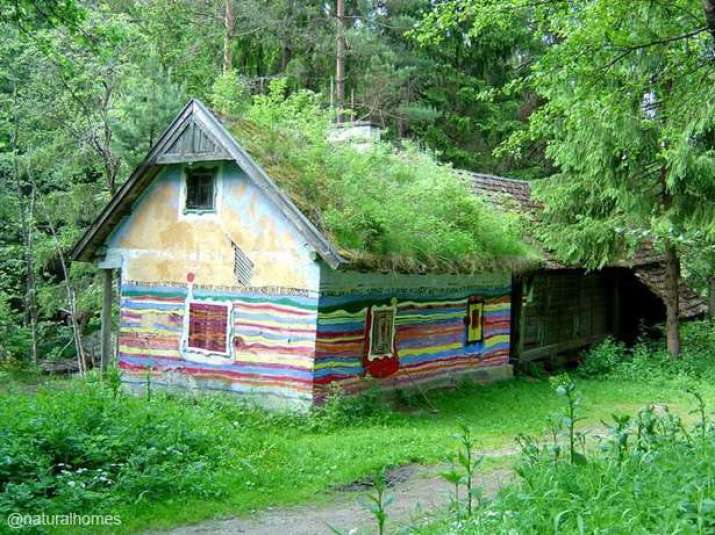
x=416, y=490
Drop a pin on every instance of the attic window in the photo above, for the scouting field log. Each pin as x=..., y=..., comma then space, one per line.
x=200, y=189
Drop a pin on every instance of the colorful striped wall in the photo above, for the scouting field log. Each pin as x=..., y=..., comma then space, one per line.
x=430, y=333
x=287, y=346
x=271, y=339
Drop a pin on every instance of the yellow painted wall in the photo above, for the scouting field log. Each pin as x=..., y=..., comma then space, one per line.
x=160, y=243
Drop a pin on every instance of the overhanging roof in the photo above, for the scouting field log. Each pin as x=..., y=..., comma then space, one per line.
x=196, y=134
x=647, y=264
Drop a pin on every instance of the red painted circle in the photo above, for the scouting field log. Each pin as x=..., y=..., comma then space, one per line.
x=190, y=276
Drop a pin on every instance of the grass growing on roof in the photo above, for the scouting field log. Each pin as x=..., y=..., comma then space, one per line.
x=384, y=208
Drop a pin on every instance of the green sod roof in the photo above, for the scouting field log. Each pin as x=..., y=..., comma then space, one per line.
x=384, y=209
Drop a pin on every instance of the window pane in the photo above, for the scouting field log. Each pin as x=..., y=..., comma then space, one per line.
x=474, y=321
x=200, y=190
x=207, y=327
x=381, y=332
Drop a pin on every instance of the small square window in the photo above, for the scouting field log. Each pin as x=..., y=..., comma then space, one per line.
x=200, y=189
x=208, y=324
x=475, y=313
x=382, y=332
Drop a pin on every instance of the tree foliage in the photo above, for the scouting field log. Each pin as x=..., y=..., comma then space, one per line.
x=627, y=113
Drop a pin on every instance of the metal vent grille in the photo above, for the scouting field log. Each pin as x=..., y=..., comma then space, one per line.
x=242, y=266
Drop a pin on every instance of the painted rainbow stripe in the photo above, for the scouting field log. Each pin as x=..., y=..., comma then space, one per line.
x=291, y=347
x=272, y=342
x=430, y=336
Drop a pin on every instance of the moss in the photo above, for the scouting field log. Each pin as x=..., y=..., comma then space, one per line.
x=383, y=208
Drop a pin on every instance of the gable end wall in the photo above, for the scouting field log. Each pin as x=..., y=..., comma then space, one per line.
x=271, y=321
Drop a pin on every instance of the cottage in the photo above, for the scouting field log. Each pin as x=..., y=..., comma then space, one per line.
x=227, y=285
x=558, y=308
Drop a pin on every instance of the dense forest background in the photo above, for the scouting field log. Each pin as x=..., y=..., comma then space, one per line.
x=87, y=86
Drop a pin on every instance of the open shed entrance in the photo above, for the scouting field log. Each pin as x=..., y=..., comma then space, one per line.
x=558, y=311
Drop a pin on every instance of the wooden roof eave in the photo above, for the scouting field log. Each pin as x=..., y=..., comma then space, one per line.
x=86, y=249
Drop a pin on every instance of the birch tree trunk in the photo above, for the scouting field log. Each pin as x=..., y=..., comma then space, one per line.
x=340, y=61
x=71, y=297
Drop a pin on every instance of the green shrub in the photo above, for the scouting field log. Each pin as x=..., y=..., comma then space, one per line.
x=341, y=409
x=650, y=475
x=648, y=360
x=82, y=448
x=602, y=358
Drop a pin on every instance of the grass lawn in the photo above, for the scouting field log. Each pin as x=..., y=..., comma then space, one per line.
x=282, y=463
x=276, y=460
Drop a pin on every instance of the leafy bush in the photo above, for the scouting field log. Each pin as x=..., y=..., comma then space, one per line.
x=84, y=446
x=649, y=361
x=340, y=409
x=603, y=358
x=81, y=448
x=649, y=474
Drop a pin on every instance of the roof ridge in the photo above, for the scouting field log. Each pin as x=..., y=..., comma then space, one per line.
x=493, y=177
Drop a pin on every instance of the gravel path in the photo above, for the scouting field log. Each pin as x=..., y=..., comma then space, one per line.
x=416, y=489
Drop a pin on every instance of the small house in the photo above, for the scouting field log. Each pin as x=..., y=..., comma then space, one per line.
x=227, y=286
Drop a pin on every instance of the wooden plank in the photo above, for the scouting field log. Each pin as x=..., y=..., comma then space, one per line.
x=553, y=349
x=106, y=316
x=192, y=157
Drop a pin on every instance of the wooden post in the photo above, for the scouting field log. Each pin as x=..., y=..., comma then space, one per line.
x=616, y=316
x=522, y=314
x=107, y=350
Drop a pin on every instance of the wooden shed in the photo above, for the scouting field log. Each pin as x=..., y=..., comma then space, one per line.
x=559, y=308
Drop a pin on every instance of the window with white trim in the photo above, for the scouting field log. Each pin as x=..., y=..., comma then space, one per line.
x=200, y=190
x=208, y=327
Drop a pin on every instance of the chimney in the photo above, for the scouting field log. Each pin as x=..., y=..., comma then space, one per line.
x=356, y=133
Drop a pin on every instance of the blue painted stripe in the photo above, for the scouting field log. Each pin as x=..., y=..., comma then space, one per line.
x=408, y=294
x=323, y=372
x=340, y=327
x=234, y=368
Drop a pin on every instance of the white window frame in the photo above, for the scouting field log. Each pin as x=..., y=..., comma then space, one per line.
x=188, y=213
x=188, y=350
x=392, y=308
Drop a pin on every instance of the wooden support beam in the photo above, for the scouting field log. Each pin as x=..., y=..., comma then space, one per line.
x=107, y=297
